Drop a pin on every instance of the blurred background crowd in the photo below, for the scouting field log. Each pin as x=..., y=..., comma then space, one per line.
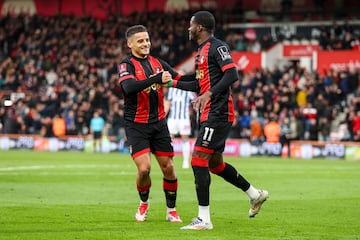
x=60, y=70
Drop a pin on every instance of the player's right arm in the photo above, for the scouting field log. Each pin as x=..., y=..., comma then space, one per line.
x=179, y=76
x=192, y=86
x=186, y=82
x=130, y=85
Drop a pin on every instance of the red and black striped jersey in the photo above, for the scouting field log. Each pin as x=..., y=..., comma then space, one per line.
x=147, y=104
x=212, y=60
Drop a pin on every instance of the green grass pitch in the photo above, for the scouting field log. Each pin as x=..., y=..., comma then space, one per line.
x=73, y=195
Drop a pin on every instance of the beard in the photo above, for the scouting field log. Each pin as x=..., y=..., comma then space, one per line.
x=192, y=36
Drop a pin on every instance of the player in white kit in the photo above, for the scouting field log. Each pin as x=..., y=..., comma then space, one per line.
x=178, y=103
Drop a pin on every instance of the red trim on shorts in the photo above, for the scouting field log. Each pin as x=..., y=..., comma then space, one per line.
x=145, y=150
x=199, y=162
x=218, y=169
x=170, y=186
x=143, y=188
x=160, y=153
x=205, y=150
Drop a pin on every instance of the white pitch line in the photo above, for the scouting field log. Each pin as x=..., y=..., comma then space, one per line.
x=36, y=167
x=46, y=173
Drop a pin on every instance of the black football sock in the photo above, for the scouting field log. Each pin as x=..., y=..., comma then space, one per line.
x=231, y=175
x=144, y=192
x=170, y=189
x=202, y=185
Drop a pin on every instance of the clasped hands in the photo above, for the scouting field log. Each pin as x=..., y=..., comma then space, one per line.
x=199, y=103
x=166, y=77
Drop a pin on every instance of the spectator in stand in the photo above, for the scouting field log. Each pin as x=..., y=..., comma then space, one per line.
x=344, y=83
x=46, y=127
x=337, y=30
x=312, y=133
x=256, y=132
x=116, y=120
x=285, y=132
x=324, y=39
x=272, y=130
x=244, y=120
x=322, y=106
x=266, y=42
x=324, y=129
x=334, y=94
x=350, y=116
x=70, y=123
x=254, y=46
x=294, y=128
x=240, y=43
x=59, y=126
x=354, y=43
x=10, y=123
x=347, y=40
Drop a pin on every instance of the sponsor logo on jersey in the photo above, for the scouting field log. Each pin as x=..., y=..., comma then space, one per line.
x=199, y=74
x=122, y=68
x=202, y=59
x=224, y=53
x=157, y=70
x=154, y=87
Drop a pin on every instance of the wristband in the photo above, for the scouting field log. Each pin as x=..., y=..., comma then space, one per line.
x=170, y=83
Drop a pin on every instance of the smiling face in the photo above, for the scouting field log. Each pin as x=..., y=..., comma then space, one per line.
x=140, y=44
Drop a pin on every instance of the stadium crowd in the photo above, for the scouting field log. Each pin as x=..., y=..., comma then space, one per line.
x=63, y=68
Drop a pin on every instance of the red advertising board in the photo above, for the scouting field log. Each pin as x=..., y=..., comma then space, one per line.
x=247, y=61
x=337, y=60
x=299, y=50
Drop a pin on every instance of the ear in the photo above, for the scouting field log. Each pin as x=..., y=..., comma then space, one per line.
x=129, y=44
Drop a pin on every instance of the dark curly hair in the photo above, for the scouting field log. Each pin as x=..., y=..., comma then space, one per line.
x=206, y=19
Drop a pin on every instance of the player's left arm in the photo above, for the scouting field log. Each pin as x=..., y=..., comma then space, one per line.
x=227, y=66
x=221, y=55
x=176, y=75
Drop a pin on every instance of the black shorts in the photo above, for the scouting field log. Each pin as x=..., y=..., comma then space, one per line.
x=154, y=137
x=97, y=135
x=212, y=136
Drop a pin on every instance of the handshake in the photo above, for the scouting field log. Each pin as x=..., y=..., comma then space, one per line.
x=166, y=79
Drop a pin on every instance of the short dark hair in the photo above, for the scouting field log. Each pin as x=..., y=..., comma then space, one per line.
x=206, y=19
x=134, y=29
